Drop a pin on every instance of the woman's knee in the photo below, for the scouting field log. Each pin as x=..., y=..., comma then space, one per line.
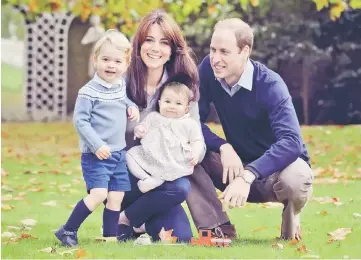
x=180, y=186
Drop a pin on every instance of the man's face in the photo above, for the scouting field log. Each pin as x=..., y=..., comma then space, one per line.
x=227, y=59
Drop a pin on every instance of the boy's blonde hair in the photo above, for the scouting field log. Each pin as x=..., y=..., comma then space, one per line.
x=116, y=38
x=179, y=88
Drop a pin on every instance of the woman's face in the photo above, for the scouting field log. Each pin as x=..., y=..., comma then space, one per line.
x=156, y=49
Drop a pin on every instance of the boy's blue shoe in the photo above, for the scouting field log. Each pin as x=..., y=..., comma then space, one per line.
x=125, y=233
x=67, y=238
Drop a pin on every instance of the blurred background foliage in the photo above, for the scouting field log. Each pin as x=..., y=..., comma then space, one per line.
x=313, y=44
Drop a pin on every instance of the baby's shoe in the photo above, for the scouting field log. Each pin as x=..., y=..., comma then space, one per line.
x=67, y=238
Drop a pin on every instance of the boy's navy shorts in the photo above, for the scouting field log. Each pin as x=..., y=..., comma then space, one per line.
x=111, y=173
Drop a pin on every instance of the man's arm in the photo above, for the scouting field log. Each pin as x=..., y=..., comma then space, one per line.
x=285, y=126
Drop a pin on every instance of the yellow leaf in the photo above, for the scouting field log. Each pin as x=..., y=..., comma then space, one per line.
x=6, y=207
x=320, y=4
x=339, y=234
x=166, y=236
x=80, y=253
x=278, y=246
x=28, y=222
x=355, y=4
x=254, y=3
x=49, y=250
x=336, y=11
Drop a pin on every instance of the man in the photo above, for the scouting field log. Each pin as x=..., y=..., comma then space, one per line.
x=264, y=158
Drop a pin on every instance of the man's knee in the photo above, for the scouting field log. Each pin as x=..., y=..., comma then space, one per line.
x=294, y=182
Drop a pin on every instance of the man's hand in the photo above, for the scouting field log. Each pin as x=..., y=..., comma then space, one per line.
x=232, y=164
x=133, y=114
x=236, y=193
x=140, y=131
x=103, y=152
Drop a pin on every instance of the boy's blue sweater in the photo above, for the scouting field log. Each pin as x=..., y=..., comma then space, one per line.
x=260, y=124
x=100, y=115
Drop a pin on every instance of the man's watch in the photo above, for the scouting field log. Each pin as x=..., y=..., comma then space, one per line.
x=247, y=176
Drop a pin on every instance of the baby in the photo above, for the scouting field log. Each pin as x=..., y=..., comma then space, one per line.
x=171, y=141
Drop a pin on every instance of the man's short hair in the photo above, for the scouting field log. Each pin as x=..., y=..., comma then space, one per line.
x=242, y=30
x=118, y=39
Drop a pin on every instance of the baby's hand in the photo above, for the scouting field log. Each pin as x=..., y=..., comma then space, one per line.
x=140, y=131
x=103, y=152
x=192, y=159
x=133, y=113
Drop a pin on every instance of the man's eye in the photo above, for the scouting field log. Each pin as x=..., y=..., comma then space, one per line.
x=167, y=101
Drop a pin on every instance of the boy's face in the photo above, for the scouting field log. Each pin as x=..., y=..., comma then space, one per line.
x=110, y=63
x=173, y=104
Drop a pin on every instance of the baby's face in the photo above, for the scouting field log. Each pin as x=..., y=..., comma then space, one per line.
x=173, y=104
x=110, y=63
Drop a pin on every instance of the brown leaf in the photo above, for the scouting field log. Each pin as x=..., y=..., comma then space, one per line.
x=51, y=203
x=259, y=229
x=302, y=249
x=166, y=236
x=7, y=207
x=67, y=252
x=50, y=250
x=277, y=245
x=28, y=222
x=6, y=197
x=25, y=236
x=14, y=228
x=310, y=256
x=339, y=234
x=80, y=253
x=294, y=241
x=356, y=215
x=323, y=213
x=8, y=234
x=271, y=205
x=3, y=172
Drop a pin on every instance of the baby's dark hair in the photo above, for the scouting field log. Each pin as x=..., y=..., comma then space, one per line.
x=180, y=83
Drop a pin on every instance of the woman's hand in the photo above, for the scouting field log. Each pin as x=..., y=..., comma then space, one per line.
x=133, y=114
x=140, y=131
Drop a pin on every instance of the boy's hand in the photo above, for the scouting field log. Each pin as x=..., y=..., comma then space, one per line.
x=133, y=113
x=140, y=131
x=103, y=152
x=192, y=159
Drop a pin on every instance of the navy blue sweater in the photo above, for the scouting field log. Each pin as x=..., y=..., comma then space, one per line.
x=260, y=124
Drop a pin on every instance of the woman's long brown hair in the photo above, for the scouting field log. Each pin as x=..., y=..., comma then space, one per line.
x=180, y=60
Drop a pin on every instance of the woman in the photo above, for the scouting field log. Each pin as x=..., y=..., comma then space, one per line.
x=159, y=51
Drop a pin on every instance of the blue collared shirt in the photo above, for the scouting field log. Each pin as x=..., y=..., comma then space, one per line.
x=245, y=81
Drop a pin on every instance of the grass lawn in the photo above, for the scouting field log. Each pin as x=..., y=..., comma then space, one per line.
x=12, y=92
x=41, y=180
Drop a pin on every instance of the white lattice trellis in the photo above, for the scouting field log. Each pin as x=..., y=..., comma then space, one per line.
x=46, y=65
